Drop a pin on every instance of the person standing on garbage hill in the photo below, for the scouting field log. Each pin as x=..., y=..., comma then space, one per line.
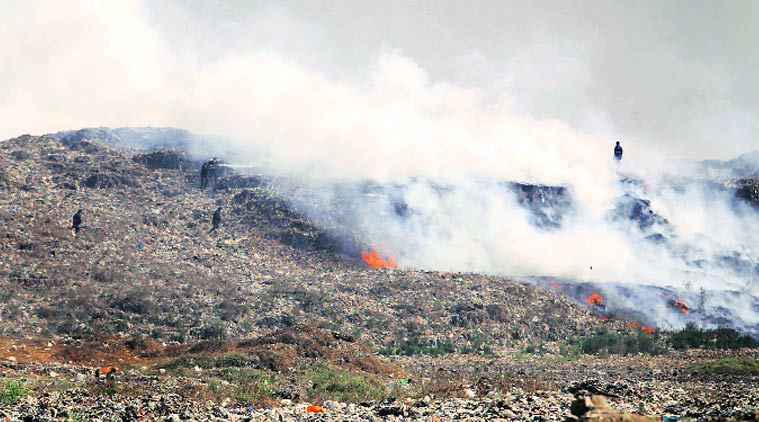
x=213, y=170
x=216, y=220
x=76, y=221
x=618, y=152
x=204, y=176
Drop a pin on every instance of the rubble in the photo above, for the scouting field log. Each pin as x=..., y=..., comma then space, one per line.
x=164, y=159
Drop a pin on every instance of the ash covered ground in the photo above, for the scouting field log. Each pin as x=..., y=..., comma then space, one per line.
x=279, y=308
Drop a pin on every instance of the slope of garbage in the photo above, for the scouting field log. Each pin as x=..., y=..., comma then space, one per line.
x=273, y=316
x=147, y=263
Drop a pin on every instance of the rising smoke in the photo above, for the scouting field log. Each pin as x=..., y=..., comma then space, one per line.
x=443, y=147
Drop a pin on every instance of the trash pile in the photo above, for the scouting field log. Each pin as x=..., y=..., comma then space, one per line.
x=145, y=266
x=146, y=262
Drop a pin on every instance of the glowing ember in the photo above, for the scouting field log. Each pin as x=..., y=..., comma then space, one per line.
x=594, y=299
x=605, y=319
x=375, y=260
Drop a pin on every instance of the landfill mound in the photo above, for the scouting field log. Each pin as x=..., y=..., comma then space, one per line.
x=146, y=262
x=274, y=317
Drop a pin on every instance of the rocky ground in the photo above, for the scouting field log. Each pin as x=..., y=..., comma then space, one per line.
x=270, y=314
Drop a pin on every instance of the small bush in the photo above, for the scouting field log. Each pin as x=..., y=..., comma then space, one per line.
x=477, y=344
x=13, y=392
x=135, y=301
x=414, y=345
x=233, y=360
x=345, y=386
x=243, y=399
x=213, y=330
x=411, y=342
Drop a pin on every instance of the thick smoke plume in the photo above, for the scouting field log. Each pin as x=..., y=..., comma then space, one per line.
x=444, y=150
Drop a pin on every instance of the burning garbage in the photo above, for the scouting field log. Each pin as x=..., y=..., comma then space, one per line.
x=674, y=303
x=678, y=304
x=635, y=326
x=314, y=409
x=594, y=300
x=648, y=330
x=375, y=260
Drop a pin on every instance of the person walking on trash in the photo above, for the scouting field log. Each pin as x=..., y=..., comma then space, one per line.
x=216, y=221
x=76, y=221
x=618, y=152
x=213, y=170
x=204, y=176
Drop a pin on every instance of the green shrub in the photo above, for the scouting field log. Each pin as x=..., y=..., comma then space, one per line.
x=692, y=337
x=333, y=383
x=414, y=345
x=13, y=392
x=243, y=399
x=743, y=365
x=619, y=344
x=234, y=360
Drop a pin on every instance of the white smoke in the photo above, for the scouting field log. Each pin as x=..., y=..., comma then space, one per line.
x=68, y=65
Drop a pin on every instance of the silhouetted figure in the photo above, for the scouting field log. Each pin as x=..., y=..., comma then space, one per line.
x=204, y=176
x=77, y=221
x=618, y=152
x=213, y=170
x=216, y=221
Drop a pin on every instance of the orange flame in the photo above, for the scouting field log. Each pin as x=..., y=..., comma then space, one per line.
x=314, y=409
x=604, y=319
x=375, y=260
x=633, y=325
x=648, y=330
x=679, y=304
x=554, y=284
x=594, y=299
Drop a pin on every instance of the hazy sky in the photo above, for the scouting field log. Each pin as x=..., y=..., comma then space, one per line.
x=679, y=76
